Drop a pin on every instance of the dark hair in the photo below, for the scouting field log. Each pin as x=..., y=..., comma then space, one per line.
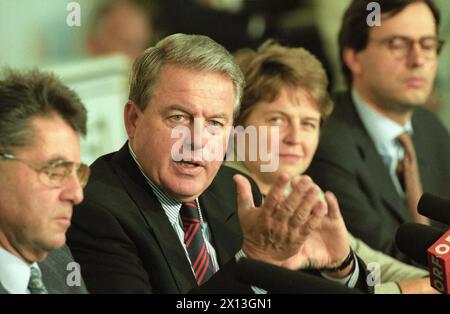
x=24, y=95
x=354, y=32
x=272, y=67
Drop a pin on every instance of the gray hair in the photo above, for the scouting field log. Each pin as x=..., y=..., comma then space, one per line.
x=29, y=94
x=196, y=52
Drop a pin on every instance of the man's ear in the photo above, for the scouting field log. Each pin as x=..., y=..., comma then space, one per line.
x=131, y=117
x=352, y=60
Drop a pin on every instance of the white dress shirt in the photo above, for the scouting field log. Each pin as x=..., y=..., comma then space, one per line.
x=14, y=273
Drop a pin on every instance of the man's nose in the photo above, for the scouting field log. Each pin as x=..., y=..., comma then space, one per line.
x=199, y=135
x=73, y=191
x=416, y=55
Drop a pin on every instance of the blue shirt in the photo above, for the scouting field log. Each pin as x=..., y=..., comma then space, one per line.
x=384, y=132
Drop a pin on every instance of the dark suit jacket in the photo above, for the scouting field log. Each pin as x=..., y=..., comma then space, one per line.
x=55, y=274
x=348, y=164
x=124, y=241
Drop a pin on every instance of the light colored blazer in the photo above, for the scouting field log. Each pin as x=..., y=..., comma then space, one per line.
x=392, y=270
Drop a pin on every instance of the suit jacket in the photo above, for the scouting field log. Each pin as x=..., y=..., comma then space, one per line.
x=55, y=274
x=348, y=164
x=123, y=239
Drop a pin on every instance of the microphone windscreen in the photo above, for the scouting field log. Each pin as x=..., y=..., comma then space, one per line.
x=434, y=207
x=414, y=239
x=281, y=280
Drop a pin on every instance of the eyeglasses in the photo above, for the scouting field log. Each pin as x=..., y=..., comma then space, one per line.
x=401, y=46
x=54, y=174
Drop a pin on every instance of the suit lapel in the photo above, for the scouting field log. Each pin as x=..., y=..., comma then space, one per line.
x=156, y=220
x=374, y=170
x=224, y=225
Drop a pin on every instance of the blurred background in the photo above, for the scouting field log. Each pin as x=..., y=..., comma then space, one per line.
x=90, y=44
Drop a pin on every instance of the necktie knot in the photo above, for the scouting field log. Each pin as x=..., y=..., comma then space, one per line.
x=189, y=214
x=36, y=285
x=405, y=140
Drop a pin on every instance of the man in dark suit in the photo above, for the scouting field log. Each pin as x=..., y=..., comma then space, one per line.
x=381, y=149
x=41, y=179
x=160, y=214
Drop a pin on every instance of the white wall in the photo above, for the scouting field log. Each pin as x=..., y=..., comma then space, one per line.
x=35, y=32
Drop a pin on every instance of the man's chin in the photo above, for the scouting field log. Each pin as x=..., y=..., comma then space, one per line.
x=55, y=243
x=414, y=98
x=186, y=192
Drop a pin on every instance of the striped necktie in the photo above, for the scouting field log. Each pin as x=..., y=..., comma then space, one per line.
x=195, y=243
x=35, y=285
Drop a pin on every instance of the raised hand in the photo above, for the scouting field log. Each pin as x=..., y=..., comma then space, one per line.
x=277, y=231
x=326, y=245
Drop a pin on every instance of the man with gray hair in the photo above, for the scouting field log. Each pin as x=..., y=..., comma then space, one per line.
x=153, y=222
x=41, y=178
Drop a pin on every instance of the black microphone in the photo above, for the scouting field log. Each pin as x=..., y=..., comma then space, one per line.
x=428, y=246
x=414, y=239
x=434, y=207
x=275, y=279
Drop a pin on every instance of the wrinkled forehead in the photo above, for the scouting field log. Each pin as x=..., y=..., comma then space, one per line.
x=53, y=138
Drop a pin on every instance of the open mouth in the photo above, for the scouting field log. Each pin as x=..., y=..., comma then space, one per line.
x=190, y=164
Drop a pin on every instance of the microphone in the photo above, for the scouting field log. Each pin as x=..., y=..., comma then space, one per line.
x=434, y=207
x=414, y=239
x=439, y=263
x=431, y=248
x=281, y=280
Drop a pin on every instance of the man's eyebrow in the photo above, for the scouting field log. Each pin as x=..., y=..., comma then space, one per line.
x=56, y=158
x=176, y=107
x=221, y=115
x=408, y=37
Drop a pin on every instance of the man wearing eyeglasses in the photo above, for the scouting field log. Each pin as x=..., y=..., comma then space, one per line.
x=381, y=149
x=41, y=179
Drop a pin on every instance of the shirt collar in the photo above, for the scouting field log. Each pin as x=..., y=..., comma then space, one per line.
x=171, y=207
x=381, y=129
x=14, y=272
